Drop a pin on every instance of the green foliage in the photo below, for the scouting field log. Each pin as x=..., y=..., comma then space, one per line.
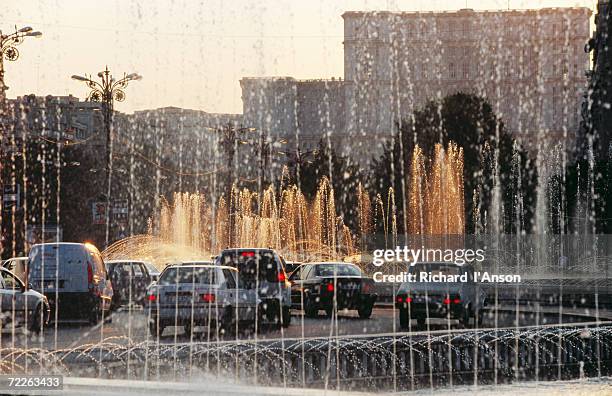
x=469, y=121
x=343, y=175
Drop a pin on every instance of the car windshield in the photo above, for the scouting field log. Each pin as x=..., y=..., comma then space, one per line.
x=437, y=269
x=337, y=270
x=190, y=275
x=152, y=269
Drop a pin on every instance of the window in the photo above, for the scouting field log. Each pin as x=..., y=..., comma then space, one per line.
x=452, y=72
x=337, y=270
x=296, y=274
x=307, y=272
x=174, y=275
x=137, y=270
x=229, y=279
x=9, y=281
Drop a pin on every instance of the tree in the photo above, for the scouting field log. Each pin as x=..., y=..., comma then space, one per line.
x=343, y=175
x=488, y=150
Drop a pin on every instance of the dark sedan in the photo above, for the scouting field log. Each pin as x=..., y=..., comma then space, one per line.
x=316, y=286
x=448, y=296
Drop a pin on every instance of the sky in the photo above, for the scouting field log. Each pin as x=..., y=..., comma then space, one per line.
x=192, y=53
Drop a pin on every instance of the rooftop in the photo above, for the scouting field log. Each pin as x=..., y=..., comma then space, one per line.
x=466, y=11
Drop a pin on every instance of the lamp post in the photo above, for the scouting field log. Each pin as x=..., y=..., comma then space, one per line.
x=107, y=91
x=298, y=158
x=9, y=51
x=263, y=151
x=230, y=138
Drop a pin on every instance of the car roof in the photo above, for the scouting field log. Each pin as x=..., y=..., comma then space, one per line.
x=246, y=249
x=62, y=243
x=17, y=258
x=200, y=266
x=330, y=262
x=194, y=262
x=124, y=261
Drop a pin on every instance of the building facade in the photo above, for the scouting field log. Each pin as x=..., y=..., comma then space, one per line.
x=299, y=112
x=529, y=64
x=599, y=109
x=55, y=118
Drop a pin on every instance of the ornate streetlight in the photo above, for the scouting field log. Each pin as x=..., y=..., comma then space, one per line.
x=107, y=91
x=9, y=51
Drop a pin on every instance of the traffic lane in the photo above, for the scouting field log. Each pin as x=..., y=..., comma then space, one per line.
x=131, y=327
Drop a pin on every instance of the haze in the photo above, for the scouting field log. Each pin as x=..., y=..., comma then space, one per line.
x=192, y=53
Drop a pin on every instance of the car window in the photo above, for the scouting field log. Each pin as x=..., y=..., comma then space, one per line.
x=229, y=278
x=10, y=282
x=178, y=274
x=137, y=270
x=151, y=268
x=307, y=272
x=337, y=270
x=296, y=274
x=123, y=271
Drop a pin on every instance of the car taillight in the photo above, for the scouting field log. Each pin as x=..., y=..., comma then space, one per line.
x=330, y=287
x=247, y=254
x=456, y=301
x=447, y=301
x=281, y=277
x=401, y=299
x=152, y=297
x=208, y=298
x=89, y=275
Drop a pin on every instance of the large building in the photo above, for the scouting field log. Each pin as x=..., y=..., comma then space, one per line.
x=296, y=111
x=529, y=64
x=599, y=109
x=63, y=119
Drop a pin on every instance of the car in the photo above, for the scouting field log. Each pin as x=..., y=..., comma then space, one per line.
x=462, y=300
x=263, y=270
x=192, y=294
x=153, y=271
x=18, y=266
x=73, y=278
x=20, y=305
x=204, y=262
x=130, y=279
x=291, y=266
x=325, y=285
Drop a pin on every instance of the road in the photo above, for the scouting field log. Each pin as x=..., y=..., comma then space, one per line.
x=129, y=326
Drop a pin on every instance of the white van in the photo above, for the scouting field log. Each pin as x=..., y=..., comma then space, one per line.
x=74, y=279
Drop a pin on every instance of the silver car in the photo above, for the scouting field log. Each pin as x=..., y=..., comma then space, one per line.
x=20, y=305
x=18, y=266
x=194, y=294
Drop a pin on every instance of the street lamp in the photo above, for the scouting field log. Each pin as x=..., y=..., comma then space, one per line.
x=107, y=91
x=263, y=151
x=230, y=138
x=9, y=51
